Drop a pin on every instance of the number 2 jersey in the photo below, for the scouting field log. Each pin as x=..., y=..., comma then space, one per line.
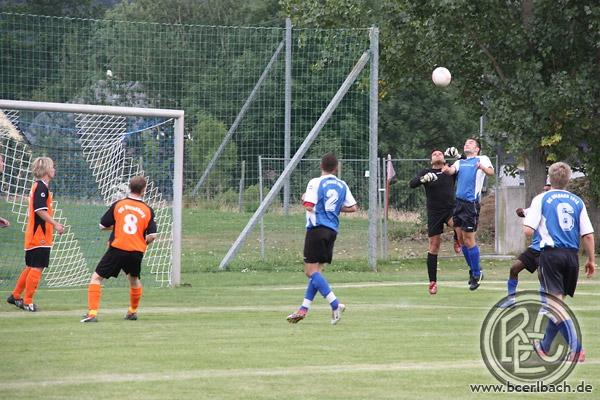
x=132, y=220
x=328, y=194
x=38, y=232
x=560, y=217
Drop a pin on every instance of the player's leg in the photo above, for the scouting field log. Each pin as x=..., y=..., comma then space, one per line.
x=312, y=254
x=15, y=297
x=94, y=296
x=37, y=260
x=107, y=266
x=512, y=282
x=135, y=294
x=456, y=243
x=432, y=262
x=132, y=266
x=435, y=227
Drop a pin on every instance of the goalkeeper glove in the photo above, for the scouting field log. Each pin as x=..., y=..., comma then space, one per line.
x=452, y=152
x=428, y=177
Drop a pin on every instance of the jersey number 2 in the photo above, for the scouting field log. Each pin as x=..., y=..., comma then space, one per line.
x=332, y=199
x=130, y=226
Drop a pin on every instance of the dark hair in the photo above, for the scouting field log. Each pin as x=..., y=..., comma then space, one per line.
x=329, y=162
x=137, y=184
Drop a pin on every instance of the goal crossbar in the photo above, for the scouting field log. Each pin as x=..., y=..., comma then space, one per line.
x=178, y=118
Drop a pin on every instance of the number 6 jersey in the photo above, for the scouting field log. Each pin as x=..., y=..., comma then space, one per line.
x=560, y=217
x=132, y=220
x=328, y=194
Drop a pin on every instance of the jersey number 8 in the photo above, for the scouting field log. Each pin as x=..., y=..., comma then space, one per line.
x=130, y=226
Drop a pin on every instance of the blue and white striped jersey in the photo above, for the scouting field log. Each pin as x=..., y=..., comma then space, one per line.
x=560, y=217
x=329, y=194
x=469, y=179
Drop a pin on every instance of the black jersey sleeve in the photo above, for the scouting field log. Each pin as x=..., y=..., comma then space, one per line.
x=151, y=229
x=108, y=219
x=416, y=181
x=40, y=197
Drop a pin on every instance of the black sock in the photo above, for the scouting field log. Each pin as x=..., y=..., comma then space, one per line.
x=432, y=266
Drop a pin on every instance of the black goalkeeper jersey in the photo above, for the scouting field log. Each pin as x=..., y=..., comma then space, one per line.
x=440, y=193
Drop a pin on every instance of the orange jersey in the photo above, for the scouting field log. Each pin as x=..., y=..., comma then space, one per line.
x=38, y=232
x=132, y=220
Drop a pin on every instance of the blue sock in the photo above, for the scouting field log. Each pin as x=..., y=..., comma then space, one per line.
x=465, y=252
x=474, y=256
x=551, y=331
x=567, y=329
x=321, y=284
x=309, y=295
x=512, y=286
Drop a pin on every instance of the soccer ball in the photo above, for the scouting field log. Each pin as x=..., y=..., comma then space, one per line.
x=109, y=73
x=441, y=77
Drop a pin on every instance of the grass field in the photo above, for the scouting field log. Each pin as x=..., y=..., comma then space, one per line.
x=225, y=337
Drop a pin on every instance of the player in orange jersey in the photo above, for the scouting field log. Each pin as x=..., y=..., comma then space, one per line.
x=133, y=228
x=38, y=235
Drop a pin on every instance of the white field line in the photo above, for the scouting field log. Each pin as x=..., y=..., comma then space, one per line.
x=77, y=315
x=299, y=371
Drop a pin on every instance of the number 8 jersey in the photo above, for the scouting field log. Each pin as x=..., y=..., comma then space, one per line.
x=132, y=220
x=560, y=217
x=328, y=194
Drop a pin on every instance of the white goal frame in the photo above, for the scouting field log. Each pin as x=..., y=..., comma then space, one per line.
x=176, y=115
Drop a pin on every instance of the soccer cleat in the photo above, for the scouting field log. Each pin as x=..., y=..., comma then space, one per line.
x=457, y=247
x=576, y=357
x=131, y=316
x=16, y=302
x=475, y=282
x=432, y=287
x=509, y=302
x=336, y=314
x=30, y=307
x=296, y=317
x=89, y=318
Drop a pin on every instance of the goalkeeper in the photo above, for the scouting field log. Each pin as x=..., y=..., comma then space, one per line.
x=133, y=228
x=439, y=191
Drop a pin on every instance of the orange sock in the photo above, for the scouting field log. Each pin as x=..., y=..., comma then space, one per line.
x=94, y=294
x=20, y=285
x=33, y=280
x=135, y=294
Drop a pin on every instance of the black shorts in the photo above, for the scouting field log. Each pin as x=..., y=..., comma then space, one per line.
x=115, y=260
x=559, y=271
x=38, y=257
x=530, y=259
x=436, y=220
x=318, y=245
x=466, y=215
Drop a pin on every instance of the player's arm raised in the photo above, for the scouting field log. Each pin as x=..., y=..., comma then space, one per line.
x=448, y=169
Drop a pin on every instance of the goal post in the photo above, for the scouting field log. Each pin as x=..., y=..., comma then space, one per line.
x=109, y=145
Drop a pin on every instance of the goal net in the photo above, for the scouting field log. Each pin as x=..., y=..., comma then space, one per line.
x=95, y=155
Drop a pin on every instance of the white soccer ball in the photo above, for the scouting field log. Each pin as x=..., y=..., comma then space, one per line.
x=109, y=73
x=441, y=77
